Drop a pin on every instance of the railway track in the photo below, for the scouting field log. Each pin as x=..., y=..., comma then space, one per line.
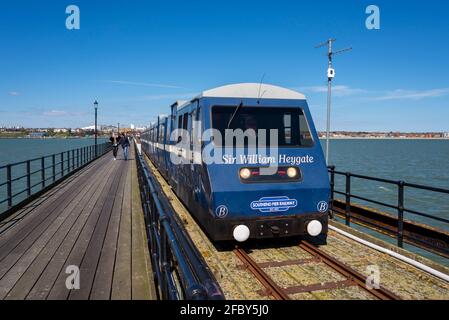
x=315, y=255
x=352, y=277
x=270, y=285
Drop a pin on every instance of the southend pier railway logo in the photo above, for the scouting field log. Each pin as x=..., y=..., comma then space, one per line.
x=274, y=204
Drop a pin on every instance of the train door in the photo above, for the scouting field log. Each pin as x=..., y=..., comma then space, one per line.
x=166, y=148
x=170, y=144
x=185, y=166
x=176, y=167
x=156, y=142
x=196, y=152
x=189, y=164
x=159, y=143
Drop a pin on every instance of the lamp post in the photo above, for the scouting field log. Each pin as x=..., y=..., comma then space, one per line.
x=96, y=132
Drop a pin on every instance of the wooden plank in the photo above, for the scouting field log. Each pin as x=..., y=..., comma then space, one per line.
x=142, y=281
x=68, y=215
x=79, y=235
x=38, y=237
x=91, y=257
x=101, y=288
x=95, y=222
x=44, y=215
x=28, y=210
x=90, y=237
x=48, y=199
x=29, y=278
x=32, y=214
x=121, y=284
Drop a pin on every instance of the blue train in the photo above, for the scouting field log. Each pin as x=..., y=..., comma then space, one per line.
x=246, y=161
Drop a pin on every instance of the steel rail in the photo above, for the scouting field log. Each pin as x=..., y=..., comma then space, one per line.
x=272, y=287
x=348, y=272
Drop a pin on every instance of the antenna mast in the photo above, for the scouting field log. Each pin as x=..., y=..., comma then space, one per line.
x=330, y=76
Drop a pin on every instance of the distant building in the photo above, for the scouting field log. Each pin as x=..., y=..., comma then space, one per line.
x=446, y=135
x=37, y=134
x=60, y=130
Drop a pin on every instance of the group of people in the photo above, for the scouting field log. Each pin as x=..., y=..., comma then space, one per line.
x=120, y=139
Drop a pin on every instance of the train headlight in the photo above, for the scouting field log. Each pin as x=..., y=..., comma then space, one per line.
x=314, y=228
x=292, y=172
x=245, y=173
x=241, y=233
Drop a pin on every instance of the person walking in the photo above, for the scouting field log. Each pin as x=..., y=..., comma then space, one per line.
x=115, y=140
x=125, y=145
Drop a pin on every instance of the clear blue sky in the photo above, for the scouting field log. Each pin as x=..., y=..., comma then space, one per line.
x=137, y=57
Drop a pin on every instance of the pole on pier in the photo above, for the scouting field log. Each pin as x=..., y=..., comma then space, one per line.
x=330, y=76
x=96, y=132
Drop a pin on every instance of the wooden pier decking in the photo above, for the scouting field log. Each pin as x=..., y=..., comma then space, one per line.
x=94, y=221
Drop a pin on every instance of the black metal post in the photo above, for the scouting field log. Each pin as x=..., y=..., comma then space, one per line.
x=53, y=160
x=348, y=199
x=400, y=214
x=62, y=164
x=43, y=172
x=96, y=133
x=28, y=177
x=9, y=185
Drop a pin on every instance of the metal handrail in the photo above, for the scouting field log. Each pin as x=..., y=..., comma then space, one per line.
x=399, y=207
x=179, y=271
x=76, y=158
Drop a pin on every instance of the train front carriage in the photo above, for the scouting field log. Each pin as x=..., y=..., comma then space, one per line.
x=270, y=186
x=254, y=165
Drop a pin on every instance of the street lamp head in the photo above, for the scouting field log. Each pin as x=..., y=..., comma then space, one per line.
x=96, y=104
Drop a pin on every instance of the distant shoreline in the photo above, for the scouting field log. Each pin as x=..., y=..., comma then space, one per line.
x=321, y=138
x=52, y=138
x=382, y=138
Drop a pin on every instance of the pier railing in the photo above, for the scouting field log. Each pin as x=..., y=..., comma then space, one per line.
x=179, y=270
x=413, y=232
x=23, y=181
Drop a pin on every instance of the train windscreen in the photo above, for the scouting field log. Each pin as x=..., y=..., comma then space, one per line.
x=290, y=123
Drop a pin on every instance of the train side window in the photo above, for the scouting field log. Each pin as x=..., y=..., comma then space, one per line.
x=288, y=128
x=192, y=117
x=198, y=132
x=179, y=122
x=185, y=121
x=161, y=133
x=305, y=135
x=179, y=127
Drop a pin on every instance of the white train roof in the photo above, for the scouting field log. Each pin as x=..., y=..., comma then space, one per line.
x=179, y=103
x=252, y=90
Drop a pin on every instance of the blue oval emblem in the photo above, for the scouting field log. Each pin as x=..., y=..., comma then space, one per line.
x=221, y=211
x=322, y=206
